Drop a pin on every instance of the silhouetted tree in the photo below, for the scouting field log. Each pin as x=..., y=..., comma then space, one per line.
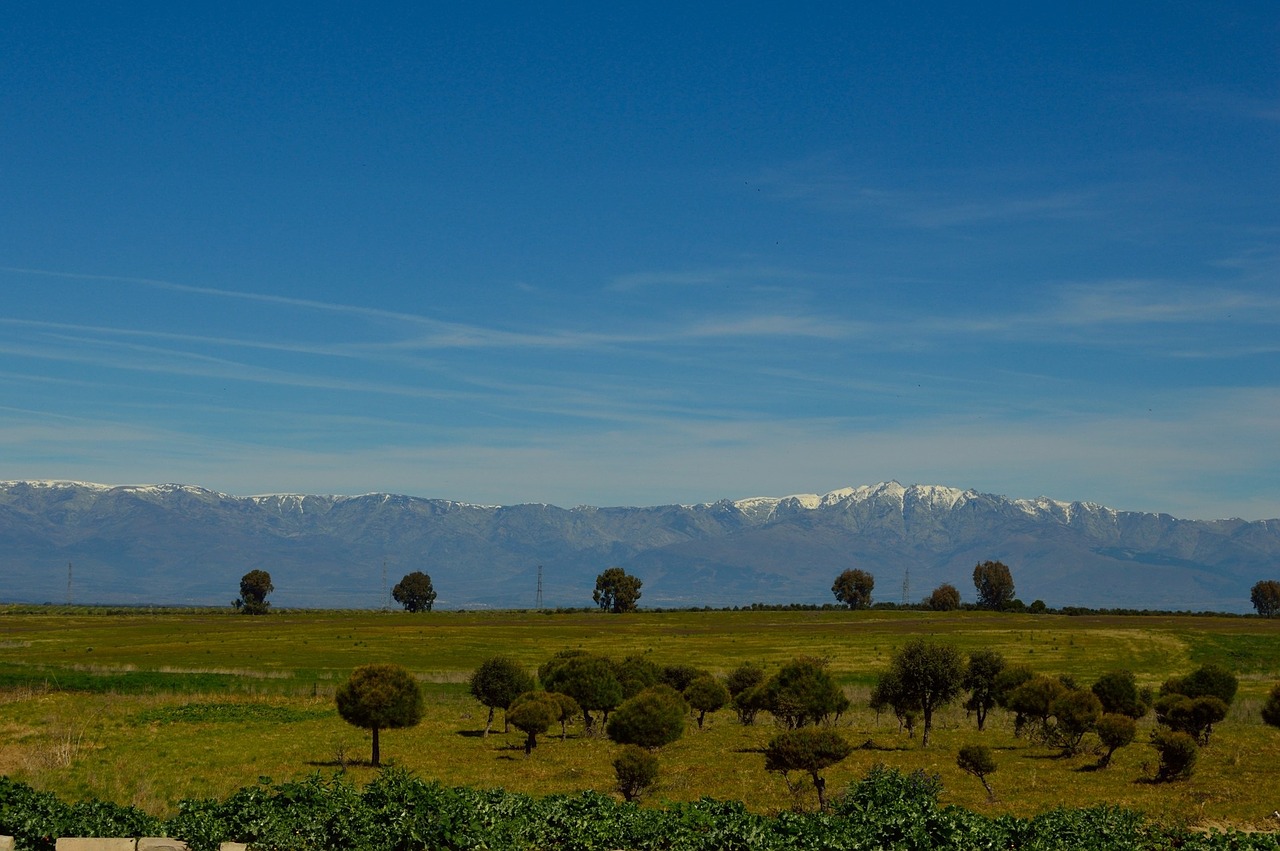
x=617, y=591
x=994, y=583
x=380, y=697
x=254, y=588
x=415, y=592
x=1266, y=597
x=853, y=588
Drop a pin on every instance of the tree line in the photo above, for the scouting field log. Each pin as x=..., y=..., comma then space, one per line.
x=618, y=592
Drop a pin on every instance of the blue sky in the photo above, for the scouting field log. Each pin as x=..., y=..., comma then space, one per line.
x=645, y=254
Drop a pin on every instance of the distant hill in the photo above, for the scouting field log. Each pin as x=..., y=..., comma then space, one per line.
x=183, y=544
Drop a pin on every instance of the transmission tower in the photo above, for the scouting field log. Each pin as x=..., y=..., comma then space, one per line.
x=68, y=583
x=906, y=587
x=538, y=604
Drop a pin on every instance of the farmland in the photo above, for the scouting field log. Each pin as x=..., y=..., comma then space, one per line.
x=149, y=708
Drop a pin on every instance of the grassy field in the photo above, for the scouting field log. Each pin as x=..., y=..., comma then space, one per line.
x=147, y=709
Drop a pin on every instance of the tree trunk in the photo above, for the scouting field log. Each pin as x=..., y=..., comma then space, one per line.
x=701, y=715
x=488, y=724
x=928, y=725
x=377, y=760
x=529, y=743
x=821, y=786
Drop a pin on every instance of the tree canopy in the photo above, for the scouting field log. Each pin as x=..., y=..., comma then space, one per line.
x=415, y=592
x=1265, y=597
x=810, y=750
x=617, y=591
x=497, y=682
x=928, y=675
x=254, y=588
x=853, y=588
x=945, y=598
x=381, y=696
x=803, y=692
x=651, y=719
x=588, y=679
x=994, y=583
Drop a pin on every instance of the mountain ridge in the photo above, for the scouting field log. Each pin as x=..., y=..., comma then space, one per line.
x=185, y=543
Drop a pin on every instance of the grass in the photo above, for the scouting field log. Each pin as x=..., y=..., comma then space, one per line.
x=147, y=709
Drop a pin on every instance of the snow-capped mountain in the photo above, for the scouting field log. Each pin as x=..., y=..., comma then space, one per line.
x=183, y=544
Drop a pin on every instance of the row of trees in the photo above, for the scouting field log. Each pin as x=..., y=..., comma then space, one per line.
x=618, y=591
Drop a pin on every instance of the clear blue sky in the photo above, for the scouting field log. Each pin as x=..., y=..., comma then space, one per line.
x=645, y=254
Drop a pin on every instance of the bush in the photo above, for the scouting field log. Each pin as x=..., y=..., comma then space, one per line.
x=802, y=692
x=1119, y=693
x=809, y=750
x=1178, y=752
x=636, y=770
x=1271, y=709
x=651, y=719
x=706, y=694
x=1115, y=731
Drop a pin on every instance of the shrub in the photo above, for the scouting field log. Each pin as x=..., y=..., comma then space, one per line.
x=1119, y=693
x=636, y=770
x=1271, y=709
x=1075, y=714
x=802, y=692
x=651, y=719
x=497, y=682
x=1177, y=752
x=706, y=694
x=533, y=713
x=745, y=676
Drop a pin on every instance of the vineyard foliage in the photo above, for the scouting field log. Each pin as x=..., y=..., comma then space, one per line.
x=887, y=809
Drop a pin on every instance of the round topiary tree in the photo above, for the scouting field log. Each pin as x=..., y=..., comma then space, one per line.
x=380, y=697
x=636, y=770
x=651, y=719
x=807, y=749
x=496, y=683
x=978, y=761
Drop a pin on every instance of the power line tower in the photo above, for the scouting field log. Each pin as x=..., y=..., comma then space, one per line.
x=386, y=595
x=906, y=587
x=538, y=603
x=68, y=583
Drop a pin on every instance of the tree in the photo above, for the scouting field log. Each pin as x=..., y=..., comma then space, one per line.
x=745, y=676
x=1271, y=709
x=945, y=598
x=1115, y=731
x=617, y=591
x=533, y=713
x=636, y=673
x=802, y=692
x=588, y=679
x=929, y=675
x=1033, y=700
x=1119, y=693
x=636, y=770
x=380, y=696
x=810, y=750
x=568, y=710
x=254, y=588
x=980, y=681
x=415, y=592
x=496, y=683
x=888, y=693
x=1194, y=703
x=706, y=694
x=994, y=584
x=1177, y=752
x=978, y=761
x=1075, y=714
x=853, y=588
x=651, y=719
x=1265, y=597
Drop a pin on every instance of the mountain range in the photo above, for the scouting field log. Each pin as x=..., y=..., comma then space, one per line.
x=180, y=544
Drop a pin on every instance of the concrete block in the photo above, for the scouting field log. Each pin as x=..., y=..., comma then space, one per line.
x=161, y=843
x=234, y=846
x=6, y=843
x=91, y=843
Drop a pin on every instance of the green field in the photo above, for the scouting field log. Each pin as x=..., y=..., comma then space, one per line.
x=147, y=709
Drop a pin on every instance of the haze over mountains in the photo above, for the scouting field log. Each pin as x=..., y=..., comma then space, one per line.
x=183, y=544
